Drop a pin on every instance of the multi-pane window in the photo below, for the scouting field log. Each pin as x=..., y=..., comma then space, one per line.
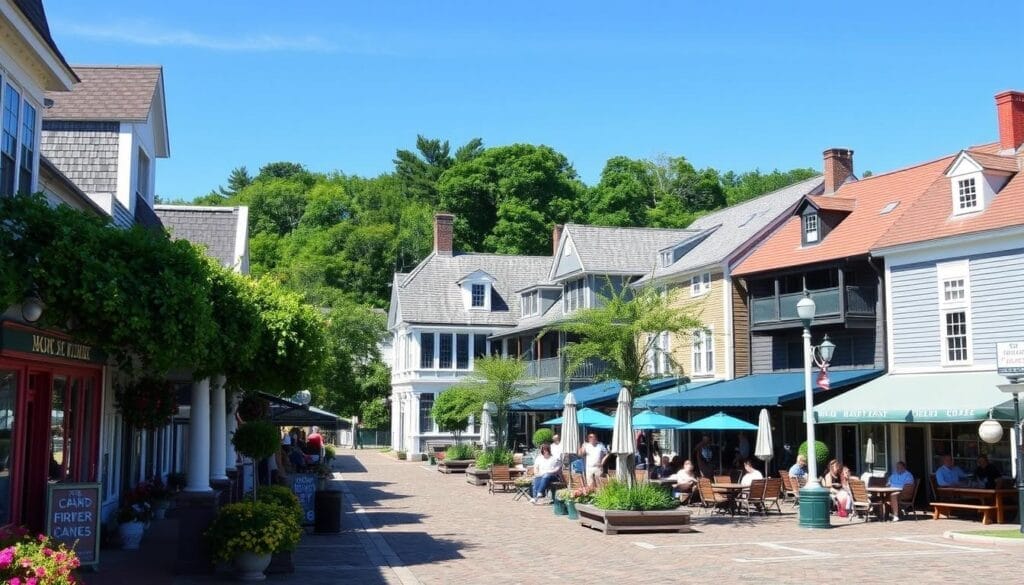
x=479, y=346
x=573, y=293
x=478, y=295
x=967, y=194
x=462, y=351
x=9, y=140
x=666, y=258
x=659, y=358
x=531, y=304
x=28, y=148
x=703, y=352
x=445, y=345
x=953, y=290
x=426, y=350
x=700, y=284
x=955, y=336
x=810, y=228
x=426, y=405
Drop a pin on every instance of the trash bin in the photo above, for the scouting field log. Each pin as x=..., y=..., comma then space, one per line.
x=328, y=512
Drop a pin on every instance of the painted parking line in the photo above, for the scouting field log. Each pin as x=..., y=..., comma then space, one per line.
x=914, y=540
x=649, y=546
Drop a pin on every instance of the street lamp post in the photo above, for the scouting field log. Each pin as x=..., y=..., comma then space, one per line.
x=1014, y=388
x=814, y=499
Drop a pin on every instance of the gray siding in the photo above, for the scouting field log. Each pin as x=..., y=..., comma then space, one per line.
x=997, y=307
x=84, y=151
x=567, y=264
x=915, y=315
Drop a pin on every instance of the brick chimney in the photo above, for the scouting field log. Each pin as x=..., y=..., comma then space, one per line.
x=1010, y=106
x=556, y=236
x=838, y=168
x=443, y=233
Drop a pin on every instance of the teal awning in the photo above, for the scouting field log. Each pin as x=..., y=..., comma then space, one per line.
x=921, y=398
x=720, y=422
x=755, y=391
x=606, y=391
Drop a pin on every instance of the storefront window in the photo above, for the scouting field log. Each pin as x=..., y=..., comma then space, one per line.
x=962, y=442
x=90, y=402
x=8, y=393
x=876, y=433
x=59, y=447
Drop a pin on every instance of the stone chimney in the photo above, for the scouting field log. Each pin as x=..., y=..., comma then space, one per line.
x=443, y=233
x=838, y=168
x=1010, y=107
x=556, y=236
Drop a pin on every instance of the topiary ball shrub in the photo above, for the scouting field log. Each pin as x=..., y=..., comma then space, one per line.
x=257, y=439
x=821, y=450
x=541, y=436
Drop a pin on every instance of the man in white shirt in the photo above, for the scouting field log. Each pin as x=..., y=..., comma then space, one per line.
x=751, y=473
x=595, y=453
x=556, y=447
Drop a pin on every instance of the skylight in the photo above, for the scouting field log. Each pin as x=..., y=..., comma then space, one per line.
x=889, y=207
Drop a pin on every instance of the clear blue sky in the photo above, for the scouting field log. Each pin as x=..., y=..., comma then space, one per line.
x=339, y=85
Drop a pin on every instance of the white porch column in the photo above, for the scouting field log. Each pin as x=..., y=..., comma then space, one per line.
x=218, y=430
x=231, y=461
x=414, y=423
x=199, y=439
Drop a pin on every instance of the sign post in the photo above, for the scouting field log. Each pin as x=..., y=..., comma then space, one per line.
x=73, y=518
x=1010, y=363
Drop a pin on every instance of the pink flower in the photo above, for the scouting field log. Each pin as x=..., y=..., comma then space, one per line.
x=40, y=572
x=15, y=581
x=6, y=556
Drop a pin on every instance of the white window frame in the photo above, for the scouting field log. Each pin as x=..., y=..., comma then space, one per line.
x=954, y=276
x=666, y=258
x=472, y=295
x=811, y=226
x=702, y=347
x=700, y=284
x=531, y=301
x=963, y=196
x=574, y=295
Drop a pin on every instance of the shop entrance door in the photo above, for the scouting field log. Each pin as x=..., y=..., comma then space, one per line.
x=34, y=432
x=916, y=457
x=848, y=444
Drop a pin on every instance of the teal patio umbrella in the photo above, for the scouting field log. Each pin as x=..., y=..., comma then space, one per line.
x=587, y=417
x=720, y=422
x=649, y=420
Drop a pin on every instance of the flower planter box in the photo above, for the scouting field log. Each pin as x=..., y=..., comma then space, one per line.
x=615, y=521
x=455, y=466
x=476, y=476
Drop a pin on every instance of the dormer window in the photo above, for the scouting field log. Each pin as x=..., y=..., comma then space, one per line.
x=479, y=296
x=810, y=225
x=666, y=258
x=531, y=304
x=967, y=194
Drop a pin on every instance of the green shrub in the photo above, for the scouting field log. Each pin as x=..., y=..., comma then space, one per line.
x=639, y=497
x=279, y=495
x=821, y=451
x=458, y=452
x=486, y=459
x=257, y=439
x=541, y=436
x=401, y=455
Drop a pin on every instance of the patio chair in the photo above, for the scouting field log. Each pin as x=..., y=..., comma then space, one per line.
x=753, y=498
x=711, y=500
x=862, y=504
x=784, y=476
x=501, y=479
x=723, y=479
x=907, y=498
x=933, y=488
x=791, y=486
x=640, y=475
x=773, y=493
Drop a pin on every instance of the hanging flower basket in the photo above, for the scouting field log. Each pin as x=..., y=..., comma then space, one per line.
x=147, y=403
x=253, y=407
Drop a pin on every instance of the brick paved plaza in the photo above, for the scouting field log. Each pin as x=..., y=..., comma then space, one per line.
x=443, y=530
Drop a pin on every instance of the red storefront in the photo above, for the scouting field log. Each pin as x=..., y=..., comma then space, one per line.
x=50, y=407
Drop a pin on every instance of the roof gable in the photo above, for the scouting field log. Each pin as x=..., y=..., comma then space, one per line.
x=40, y=41
x=477, y=275
x=617, y=250
x=223, y=231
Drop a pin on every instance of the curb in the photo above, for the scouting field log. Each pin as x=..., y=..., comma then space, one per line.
x=977, y=538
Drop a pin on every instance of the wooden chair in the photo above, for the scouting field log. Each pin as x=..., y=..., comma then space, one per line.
x=501, y=479
x=711, y=500
x=723, y=479
x=753, y=498
x=876, y=481
x=862, y=504
x=907, y=498
x=933, y=488
x=791, y=485
x=784, y=476
x=773, y=493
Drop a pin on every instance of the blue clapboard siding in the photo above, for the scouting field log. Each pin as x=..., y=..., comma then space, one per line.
x=915, y=315
x=997, y=302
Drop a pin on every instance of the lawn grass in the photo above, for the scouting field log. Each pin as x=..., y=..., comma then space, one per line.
x=1005, y=533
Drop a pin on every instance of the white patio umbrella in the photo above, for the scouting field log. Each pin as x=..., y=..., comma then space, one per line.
x=570, y=431
x=869, y=454
x=623, y=443
x=485, y=427
x=764, y=449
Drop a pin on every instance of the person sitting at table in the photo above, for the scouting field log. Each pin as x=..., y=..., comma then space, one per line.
x=831, y=479
x=662, y=469
x=546, y=469
x=844, y=493
x=685, y=479
x=799, y=469
x=898, y=479
x=750, y=473
x=987, y=473
x=949, y=475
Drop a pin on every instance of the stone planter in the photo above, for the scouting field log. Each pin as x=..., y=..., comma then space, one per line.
x=476, y=476
x=131, y=534
x=250, y=566
x=615, y=521
x=455, y=466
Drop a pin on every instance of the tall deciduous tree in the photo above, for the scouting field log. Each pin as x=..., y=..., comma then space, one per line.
x=452, y=409
x=740, y=187
x=624, y=195
x=498, y=381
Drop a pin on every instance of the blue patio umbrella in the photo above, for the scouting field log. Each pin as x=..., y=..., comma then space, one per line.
x=720, y=422
x=587, y=417
x=650, y=420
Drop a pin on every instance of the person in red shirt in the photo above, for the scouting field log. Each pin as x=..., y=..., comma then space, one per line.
x=315, y=442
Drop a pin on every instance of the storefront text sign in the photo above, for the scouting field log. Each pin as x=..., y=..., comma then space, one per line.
x=72, y=517
x=42, y=344
x=1010, y=358
x=304, y=488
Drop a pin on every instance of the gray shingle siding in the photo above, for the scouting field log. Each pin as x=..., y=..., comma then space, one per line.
x=84, y=151
x=214, y=229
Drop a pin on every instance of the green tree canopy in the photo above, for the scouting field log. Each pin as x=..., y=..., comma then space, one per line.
x=453, y=407
x=498, y=381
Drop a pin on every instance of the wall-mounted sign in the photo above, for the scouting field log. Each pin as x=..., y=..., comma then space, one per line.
x=1010, y=358
x=73, y=518
x=41, y=343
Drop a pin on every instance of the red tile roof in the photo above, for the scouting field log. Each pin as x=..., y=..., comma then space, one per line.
x=860, y=229
x=834, y=203
x=994, y=161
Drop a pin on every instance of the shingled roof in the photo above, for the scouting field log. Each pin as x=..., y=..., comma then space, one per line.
x=223, y=231
x=622, y=250
x=122, y=93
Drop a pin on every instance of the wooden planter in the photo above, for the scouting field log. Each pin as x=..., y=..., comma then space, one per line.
x=477, y=476
x=455, y=466
x=616, y=521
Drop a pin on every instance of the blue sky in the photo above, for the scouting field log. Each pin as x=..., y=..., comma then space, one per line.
x=339, y=85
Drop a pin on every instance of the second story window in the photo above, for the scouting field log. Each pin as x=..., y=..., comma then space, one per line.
x=810, y=228
x=666, y=258
x=28, y=148
x=967, y=194
x=955, y=311
x=445, y=357
x=531, y=304
x=9, y=140
x=479, y=293
x=703, y=353
x=573, y=293
x=700, y=284
x=426, y=351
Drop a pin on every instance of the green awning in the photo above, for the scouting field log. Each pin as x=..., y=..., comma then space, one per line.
x=921, y=398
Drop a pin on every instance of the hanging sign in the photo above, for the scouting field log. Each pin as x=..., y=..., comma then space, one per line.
x=73, y=518
x=1010, y=358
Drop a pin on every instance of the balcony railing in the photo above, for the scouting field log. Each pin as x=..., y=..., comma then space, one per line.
x=859, y=301
x=551, y=369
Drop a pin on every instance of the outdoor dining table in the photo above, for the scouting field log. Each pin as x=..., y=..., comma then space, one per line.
x=988, y=497
x=732, y=491
x=884, y=494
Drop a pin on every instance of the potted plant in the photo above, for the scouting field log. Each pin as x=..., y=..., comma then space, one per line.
x=323, y=473
x=248, y=533
x=258, y=439
x=160, y=497
x=38, y=561
x=400, y=455
x=278, y=495
x=574, y=496
x=131, y=523
x=330, y=452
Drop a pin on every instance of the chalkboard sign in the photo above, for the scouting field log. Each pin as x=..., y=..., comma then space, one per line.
x=73, y=518
x=304, y=488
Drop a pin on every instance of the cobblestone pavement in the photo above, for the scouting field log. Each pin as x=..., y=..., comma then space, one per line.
x=437, y=529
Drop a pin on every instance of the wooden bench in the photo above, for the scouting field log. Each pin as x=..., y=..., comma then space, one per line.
x=940, y=508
